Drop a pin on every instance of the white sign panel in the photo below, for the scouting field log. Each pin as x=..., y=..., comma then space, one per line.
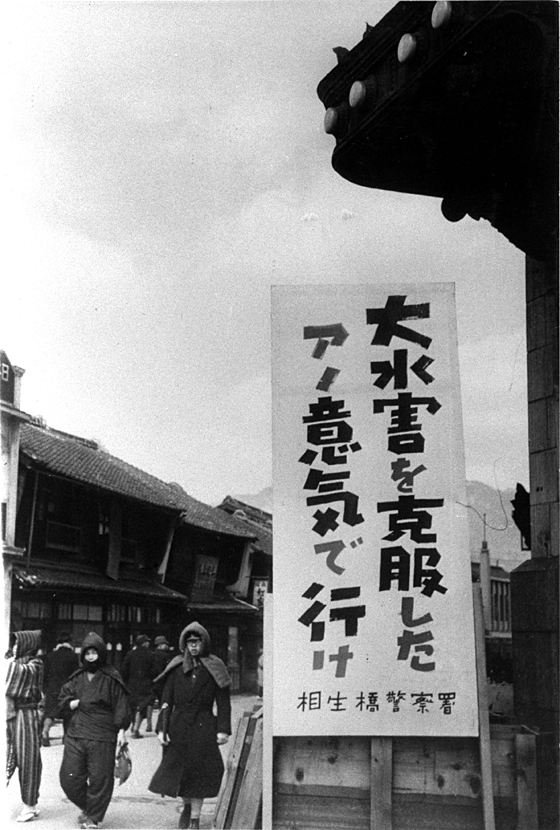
x=373, y=619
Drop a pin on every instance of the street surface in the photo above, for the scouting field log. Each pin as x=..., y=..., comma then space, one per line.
x=132, y=805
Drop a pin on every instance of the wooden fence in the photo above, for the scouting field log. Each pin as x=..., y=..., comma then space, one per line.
x=239, y=804
x=402, y=783
x=410, y=783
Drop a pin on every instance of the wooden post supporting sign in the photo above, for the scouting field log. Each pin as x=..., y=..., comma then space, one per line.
x=483, y=716
x=381, y=777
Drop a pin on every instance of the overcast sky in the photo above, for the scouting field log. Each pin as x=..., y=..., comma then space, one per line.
x=167, y=165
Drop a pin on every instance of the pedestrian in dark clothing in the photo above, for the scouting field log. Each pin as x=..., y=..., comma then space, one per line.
x=191, y=765
x=96, y=700
x=162, y=654
x=138, y=670
x=59, y=664
x=24, y=685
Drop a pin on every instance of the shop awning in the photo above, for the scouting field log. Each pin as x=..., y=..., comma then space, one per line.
x=48, y=579
x=224, y=605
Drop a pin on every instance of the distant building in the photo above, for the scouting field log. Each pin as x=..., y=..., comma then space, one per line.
x=496, y=599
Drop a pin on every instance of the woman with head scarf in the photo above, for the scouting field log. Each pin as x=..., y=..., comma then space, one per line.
x=24, y=685
x=95, y=700
x=189, y=731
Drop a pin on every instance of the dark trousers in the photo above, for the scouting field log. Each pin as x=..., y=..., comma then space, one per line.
x=87, y=775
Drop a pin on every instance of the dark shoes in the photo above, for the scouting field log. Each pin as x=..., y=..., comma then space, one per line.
x=45, y=741
x=136, y=735
x=185, y=817
x=194, y=823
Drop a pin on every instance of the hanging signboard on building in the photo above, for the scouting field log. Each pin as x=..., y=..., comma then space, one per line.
x=373, y=619
x=206, y=568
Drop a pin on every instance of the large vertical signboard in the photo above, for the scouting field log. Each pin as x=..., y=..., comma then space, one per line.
x=373, y=619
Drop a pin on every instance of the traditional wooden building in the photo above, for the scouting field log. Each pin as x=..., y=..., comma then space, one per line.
x=260, y=523
x=224, y=578
x=110, y=548
x=255, y=582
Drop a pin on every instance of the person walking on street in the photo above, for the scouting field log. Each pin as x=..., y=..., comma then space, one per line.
x=138, y=670
x=190, y=733
x=59, y=664
x=162, y=654
x=24, y=684
x=95, y=700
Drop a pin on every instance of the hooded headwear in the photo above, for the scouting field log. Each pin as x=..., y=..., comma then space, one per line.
x=93, y=640
x=197, y=630
x=27, y=642
x=211, y=662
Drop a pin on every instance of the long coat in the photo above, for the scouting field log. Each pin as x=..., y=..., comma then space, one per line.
x=59, y=665
x=191, y=764
x=138, y=670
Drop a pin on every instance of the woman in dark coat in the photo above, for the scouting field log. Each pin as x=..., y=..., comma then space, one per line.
x=59, y=665
x=138, y=671
x=190, y=732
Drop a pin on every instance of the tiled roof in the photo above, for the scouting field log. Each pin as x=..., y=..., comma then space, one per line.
x=51, y=578
x=84, y=461
x=255, y=519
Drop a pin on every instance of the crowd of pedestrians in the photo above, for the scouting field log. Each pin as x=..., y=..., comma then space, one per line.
x=97, y=705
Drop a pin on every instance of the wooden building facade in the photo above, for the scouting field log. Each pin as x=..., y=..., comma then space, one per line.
x=112, y=549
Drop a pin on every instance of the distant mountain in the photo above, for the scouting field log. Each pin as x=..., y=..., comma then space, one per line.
x=502, y=535
x=485, y=505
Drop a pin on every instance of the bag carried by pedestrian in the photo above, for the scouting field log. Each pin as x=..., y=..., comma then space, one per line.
x=123, y=764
